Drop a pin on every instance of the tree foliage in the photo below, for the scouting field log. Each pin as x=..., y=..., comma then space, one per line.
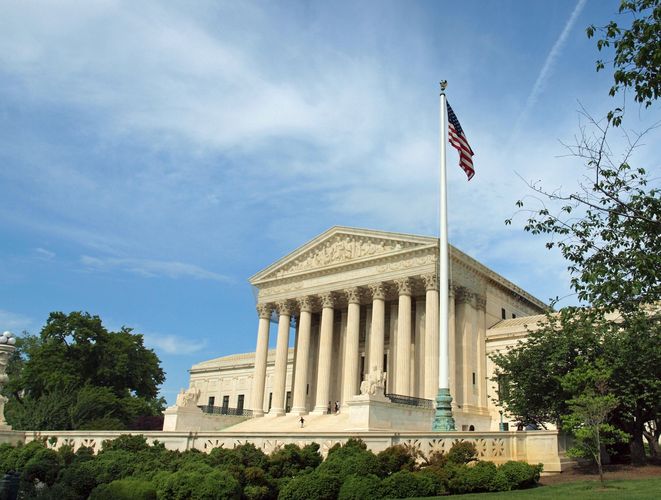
x=78, y=375
x=637, y=49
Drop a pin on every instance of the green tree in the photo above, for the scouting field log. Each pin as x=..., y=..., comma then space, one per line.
x=637, y=49
x=76, y=374
x=588, y=414
x=584, y=338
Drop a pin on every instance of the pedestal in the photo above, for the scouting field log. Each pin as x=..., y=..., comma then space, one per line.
x=443, y=421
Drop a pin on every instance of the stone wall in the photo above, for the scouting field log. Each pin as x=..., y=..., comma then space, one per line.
x=545, y=447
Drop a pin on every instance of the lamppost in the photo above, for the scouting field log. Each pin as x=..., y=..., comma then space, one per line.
x=7, y=348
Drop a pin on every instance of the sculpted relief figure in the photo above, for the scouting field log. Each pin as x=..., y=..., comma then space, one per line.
x=340, y=249
x=188, y=398
x=374, y=383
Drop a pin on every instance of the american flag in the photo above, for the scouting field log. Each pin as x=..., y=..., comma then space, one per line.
x=460, y=142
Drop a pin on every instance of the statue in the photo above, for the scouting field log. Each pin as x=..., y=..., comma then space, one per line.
x=7, y=342
x=188, y=398
x=374, y=383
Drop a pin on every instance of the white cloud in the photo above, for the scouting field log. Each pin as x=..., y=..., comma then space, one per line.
x=14, y=321
x=44, y=254
x=151, y=268
x=174, y=344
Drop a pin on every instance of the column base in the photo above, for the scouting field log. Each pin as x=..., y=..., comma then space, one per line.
x=277, y=412
x=320, y=410
x=258, y=413
x=299, y=412
x=443, y=421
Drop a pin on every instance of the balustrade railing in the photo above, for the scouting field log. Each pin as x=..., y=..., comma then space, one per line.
x=225, y=410
x=410, y=400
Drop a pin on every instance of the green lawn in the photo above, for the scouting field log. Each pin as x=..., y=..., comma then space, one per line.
x=637, y=489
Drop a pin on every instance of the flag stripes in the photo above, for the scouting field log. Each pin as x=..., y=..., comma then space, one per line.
x=459, y=141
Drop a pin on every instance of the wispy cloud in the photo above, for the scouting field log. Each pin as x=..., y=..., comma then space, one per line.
x=174, y=344
x=151, y=268
x=545, y=72
x=43, y=254
x=14, y=321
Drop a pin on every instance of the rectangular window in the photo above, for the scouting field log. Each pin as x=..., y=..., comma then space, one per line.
x=212, y=400
x=288, y=401
x=503, y=387
x=503, y=313
x=362, y=366
x=473, y=378
x=239, y=403
x=226, y=404
x=307, y=389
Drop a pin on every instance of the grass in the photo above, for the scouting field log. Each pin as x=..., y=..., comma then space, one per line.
x=634, y=489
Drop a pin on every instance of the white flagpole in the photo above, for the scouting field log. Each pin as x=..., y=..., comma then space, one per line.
x=443, y=420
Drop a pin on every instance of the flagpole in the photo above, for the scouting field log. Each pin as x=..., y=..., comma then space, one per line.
x=443, y=420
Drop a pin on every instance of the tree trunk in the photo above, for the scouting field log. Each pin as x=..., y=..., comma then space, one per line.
x=653, y=441
x=636, y=446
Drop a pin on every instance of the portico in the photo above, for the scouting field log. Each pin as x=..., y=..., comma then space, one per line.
x=359, y=301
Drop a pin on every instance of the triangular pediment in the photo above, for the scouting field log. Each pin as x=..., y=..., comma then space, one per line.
x=340, y=246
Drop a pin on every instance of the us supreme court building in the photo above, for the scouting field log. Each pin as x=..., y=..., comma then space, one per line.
x=360, y=302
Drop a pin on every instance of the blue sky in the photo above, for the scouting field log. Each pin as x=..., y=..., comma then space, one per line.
x=153, y=156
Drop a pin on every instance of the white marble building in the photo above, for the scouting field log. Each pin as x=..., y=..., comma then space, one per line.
x=359, y=300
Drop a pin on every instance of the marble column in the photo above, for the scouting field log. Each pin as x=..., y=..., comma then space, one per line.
x=281, y=352
x=431, y=336
x=481, y=303
x=325, y=350
x=299, y=406
x=463, y=322
x=261, y=355
x=350, y=384
x=403, y=343
x=377, y=333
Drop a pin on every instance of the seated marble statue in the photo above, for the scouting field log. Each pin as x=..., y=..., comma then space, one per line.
x=188, y=398
x=374, y=383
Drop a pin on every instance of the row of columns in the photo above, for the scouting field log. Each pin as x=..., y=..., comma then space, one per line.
x=351, y=354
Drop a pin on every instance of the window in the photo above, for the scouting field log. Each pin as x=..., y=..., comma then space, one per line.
x=212, y=400
x=270, y=400
x=362, y=366
x=288, y=401
x=503, y=387
x=513, y=316
x=239, y=403
x=226, y=404
x=503, y=313
x=307, y=389
x=473, y=378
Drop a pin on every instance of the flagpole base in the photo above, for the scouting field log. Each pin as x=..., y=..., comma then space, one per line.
x=443, y=421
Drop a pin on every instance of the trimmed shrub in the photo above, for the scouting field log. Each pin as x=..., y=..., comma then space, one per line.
x=462, y=452
x=125, y=489
x=396, y=458
x=361, y=488
x=352, y=458
x=197, y=485
x=253, y=492
x=126, y=442
x=43, y=465
x=438, y=477
x=317, y=485
x=478, y=478
x=290, y=460
x=514, y=475
x=405, y=484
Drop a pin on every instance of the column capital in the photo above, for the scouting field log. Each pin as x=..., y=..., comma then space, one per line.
x=305, y=303
x=264, y=310
x=284, y=307
x=327, y=299
x=353, y=295
x=430, y=281
x=481, y=302
x=378, y=291
x=463, y=294
x=404, y=286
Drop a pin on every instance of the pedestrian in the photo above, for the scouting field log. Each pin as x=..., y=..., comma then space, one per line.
x=302, y=422
x=337, y=406
x=328, y=410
